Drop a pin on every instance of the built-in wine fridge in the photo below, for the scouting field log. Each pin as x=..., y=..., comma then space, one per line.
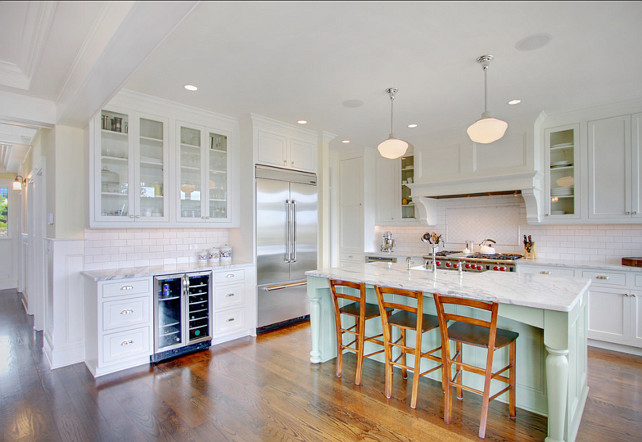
x=182, y=314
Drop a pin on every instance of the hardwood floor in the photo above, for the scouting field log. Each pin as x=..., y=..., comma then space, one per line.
x=265, y=389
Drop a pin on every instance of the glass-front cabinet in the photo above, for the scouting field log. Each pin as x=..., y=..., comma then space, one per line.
x=407, y=176
x=203, y=179
x=562, y=160
x=130, y=168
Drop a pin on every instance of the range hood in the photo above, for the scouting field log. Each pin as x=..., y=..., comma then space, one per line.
x=528, y=184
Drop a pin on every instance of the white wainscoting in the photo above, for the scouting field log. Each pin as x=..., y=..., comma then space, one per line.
x=64, y=331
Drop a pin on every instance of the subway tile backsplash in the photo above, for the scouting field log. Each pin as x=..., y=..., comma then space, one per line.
x=503, y=218
x=115, y=248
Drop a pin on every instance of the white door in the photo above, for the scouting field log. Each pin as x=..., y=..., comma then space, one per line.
x=351, y=201
x=387, y=183
x=608, y=315
x=609, y=149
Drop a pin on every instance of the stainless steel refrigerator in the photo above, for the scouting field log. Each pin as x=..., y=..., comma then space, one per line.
x=286, y=243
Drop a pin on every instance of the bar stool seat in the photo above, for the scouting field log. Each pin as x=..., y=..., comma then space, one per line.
x=479, y=336
x=361, y=311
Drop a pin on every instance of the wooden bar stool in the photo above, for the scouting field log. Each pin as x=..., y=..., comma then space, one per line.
x=361, y=311
x=480, y=333
x=406, y=318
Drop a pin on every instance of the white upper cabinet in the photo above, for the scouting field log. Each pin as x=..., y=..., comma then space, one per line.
x=610, y=170
x=203, y=175
x=562, y=156
x=131, y=180
x=130, y=172
x=281, y=145
x=393, y=204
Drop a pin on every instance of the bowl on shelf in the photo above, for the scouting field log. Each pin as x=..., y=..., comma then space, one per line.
x=560, y=163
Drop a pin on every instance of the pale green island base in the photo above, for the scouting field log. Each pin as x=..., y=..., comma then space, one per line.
x=551, y=354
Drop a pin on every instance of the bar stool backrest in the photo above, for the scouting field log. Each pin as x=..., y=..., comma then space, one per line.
x=336, y=294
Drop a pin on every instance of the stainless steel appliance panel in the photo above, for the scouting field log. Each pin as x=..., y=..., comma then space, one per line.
x=281, y=302
x=272, y=230
x=303, y=199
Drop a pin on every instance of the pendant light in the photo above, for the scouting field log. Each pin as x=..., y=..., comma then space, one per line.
x=487, y=129
x=392, y=147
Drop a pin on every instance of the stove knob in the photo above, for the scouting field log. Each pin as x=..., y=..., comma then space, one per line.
x=438, y=263
x=467, y=266
x=503, y=269
x=447, y=264
x=479, y=267
x=455, y=266
x=495, y=268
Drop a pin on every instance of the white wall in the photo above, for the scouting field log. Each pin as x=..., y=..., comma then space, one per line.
x=503, y=218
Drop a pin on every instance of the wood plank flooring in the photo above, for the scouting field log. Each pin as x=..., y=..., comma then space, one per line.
x=265, y=389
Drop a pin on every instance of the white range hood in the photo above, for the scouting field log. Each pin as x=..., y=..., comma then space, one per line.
x=528, y=184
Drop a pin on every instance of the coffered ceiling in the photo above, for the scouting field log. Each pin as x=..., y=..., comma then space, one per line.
x=325, y=62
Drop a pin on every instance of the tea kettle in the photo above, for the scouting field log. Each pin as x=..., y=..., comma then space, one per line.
x=485, y=247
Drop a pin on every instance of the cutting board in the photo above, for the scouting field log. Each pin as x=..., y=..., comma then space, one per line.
x=632, y=262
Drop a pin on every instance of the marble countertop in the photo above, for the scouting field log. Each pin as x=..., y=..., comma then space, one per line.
x=144, y=271
x=523, y=289
x=577, y=263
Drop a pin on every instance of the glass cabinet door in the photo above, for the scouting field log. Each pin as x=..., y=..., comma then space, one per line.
x=115, y=157
x=407, y=176
x=151, y=170
x=217, y=173
x=190, y=160
x=562, y=156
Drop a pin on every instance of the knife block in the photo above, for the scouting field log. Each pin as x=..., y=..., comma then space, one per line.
x=532, y=254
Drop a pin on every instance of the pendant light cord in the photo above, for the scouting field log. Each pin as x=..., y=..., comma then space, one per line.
x=392, y=103
x=485, y=89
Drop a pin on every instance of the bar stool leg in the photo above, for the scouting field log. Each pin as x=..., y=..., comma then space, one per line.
x=448, y=391
x=486, y=394
x=459, y=350
x=388, y=364
x=360, y=337
x=339, y=347
x=415, y=377
x=404, y=372
x=511, y=393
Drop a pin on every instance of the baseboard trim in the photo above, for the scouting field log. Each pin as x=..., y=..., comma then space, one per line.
x=615, y=347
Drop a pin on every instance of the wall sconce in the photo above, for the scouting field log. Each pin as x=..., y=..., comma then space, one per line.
x=17, y=183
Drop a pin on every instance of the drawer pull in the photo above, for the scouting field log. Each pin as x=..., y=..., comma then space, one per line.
x=127, y=311
x=544, y=272
x=230, y=275
x=601, y=277
x=127, y=287
x=125, y=343
x=230, y=320
x=229, y=295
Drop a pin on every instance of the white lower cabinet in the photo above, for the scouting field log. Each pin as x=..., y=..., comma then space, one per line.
x=232, y=305
x=118, y=324
x=608, y=314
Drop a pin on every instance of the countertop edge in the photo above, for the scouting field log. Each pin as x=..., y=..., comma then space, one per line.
x=149, y=271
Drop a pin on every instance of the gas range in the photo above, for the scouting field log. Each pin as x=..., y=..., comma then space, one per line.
x=476, y=262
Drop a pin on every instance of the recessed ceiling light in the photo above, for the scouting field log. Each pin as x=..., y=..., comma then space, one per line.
x=190, y=87
x=353, y=103
x=345, y=141
x=302, y=122
x=516, y=101
x=413, y=125
x=532, y=42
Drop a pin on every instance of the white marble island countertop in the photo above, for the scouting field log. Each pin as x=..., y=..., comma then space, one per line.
x=144, y=271
x=523, y=289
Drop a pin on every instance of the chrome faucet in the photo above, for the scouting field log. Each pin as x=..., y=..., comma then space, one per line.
x=409, y=261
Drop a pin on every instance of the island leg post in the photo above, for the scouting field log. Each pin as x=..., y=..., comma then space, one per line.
x=557, y=389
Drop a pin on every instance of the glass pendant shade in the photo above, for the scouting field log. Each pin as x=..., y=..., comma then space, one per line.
x=17, y=184
x=487, y=129
x=392, y=148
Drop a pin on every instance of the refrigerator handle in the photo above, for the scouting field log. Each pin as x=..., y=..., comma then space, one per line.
x=288, y=227
x=293, y=231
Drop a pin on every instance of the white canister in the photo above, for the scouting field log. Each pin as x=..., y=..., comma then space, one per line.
x=202, y=256
x=226, y=254
x=214, y=256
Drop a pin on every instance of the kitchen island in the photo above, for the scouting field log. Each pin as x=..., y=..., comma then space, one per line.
x=550, y=314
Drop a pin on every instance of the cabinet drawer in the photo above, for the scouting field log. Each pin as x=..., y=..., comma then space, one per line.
x=229, y=295
x=126, y=313
x=552, y=271
x=229, y=321
x=127, y=344
x=606, y=278
x=231, y=276
x=126, y=287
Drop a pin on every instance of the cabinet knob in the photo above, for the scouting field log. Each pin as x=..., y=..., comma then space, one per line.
x=634, y=213
x=601, y=277
x=229, y=294
x=230, y=275
x=544, y=272
x=627, y=213
x=230, y=320
x=125, y=343
x=127, y=287
x=127, y=311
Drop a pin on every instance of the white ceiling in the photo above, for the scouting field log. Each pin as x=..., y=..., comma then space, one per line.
x=304, y=60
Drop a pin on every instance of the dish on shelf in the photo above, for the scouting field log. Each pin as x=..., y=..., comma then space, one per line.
x=560, y=163
x=565, y=181
x=558, y=212
x=559, y=191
